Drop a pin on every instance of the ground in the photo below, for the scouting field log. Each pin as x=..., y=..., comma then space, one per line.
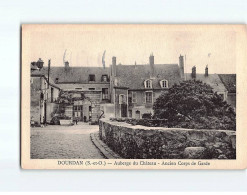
x=64, y=142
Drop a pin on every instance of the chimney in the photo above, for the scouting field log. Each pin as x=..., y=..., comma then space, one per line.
x=206, y=71
x=193, y=75
x=66, y=64
x=151, y=62
x=114, y=68
x=181, y=66
x=40, y=63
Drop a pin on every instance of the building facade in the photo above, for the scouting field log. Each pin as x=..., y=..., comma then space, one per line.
x=92, y=82
x=117, y=91
x=44, y=96
x=136, y=87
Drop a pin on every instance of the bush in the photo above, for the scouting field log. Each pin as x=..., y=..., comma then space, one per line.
x=193, y=104
x=55, y=121
x=147, y=115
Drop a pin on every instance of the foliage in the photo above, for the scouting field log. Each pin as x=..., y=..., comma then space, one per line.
x=147, y=115
x=68, y=97
x=193, y=104
x=55, y=120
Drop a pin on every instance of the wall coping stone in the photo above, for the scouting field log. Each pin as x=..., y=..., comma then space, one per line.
x=145, y=128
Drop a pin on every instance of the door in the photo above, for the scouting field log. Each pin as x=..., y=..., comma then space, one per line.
x=123, y=110
x=78, y=112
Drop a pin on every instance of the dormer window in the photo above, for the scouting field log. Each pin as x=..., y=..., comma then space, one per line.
x=91, y=77
x=164, y=84
x=104, y=78
x=148, y=84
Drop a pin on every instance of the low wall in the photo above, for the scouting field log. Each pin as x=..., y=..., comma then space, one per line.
x=139, y=142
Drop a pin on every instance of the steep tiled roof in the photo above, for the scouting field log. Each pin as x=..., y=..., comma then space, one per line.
x=74, y=74
x=229, y=80
x=133, y=76
x=212, y=79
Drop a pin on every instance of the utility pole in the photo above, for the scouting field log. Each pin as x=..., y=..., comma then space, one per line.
x=185, y=67
x=49, y=66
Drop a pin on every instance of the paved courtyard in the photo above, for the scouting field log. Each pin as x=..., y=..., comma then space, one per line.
x=64, y=142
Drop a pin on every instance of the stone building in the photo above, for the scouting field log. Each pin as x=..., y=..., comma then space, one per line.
x=118, y=91
x=136, y=87
x=43, y=97
x=229, y=81
x=92, y=82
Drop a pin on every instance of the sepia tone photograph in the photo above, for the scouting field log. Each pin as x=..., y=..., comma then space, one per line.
x=130, y=92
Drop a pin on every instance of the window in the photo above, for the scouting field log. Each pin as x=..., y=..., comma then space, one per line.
x=149, y=97
x=78, y=88
x=134, y=99
x=52, y=90
x=122, y=99
x=91, y=77
x=164, y=84
x=91, y=89
x=104, y=78
x=105, y=93
x=148, y=84
x=77, y=111
x=130, y=113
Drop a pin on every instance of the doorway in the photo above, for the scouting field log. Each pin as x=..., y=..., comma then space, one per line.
x=78, y=112
x=138, y=114
x=123, y=110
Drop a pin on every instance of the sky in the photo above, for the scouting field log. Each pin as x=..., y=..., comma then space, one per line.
x=85, y=45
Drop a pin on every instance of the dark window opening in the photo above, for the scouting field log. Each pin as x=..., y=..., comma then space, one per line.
x=52, y=91
x=123, y=110
x=105, y=94
x=149, y=97
x=91, y=88
x=130, y=100
x=91, y=77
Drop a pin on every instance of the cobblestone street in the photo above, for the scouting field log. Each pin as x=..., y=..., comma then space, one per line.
x=64, y=142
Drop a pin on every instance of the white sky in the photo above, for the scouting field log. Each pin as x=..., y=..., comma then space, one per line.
x=85, y=45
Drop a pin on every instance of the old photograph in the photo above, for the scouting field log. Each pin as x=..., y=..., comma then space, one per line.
x=131, y=92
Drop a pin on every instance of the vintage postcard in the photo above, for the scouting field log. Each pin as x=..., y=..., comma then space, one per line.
x=133, y=96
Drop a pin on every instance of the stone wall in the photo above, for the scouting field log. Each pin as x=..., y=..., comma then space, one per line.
x=139, y=142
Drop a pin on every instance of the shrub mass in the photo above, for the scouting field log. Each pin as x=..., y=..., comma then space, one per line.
x=193, y=104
